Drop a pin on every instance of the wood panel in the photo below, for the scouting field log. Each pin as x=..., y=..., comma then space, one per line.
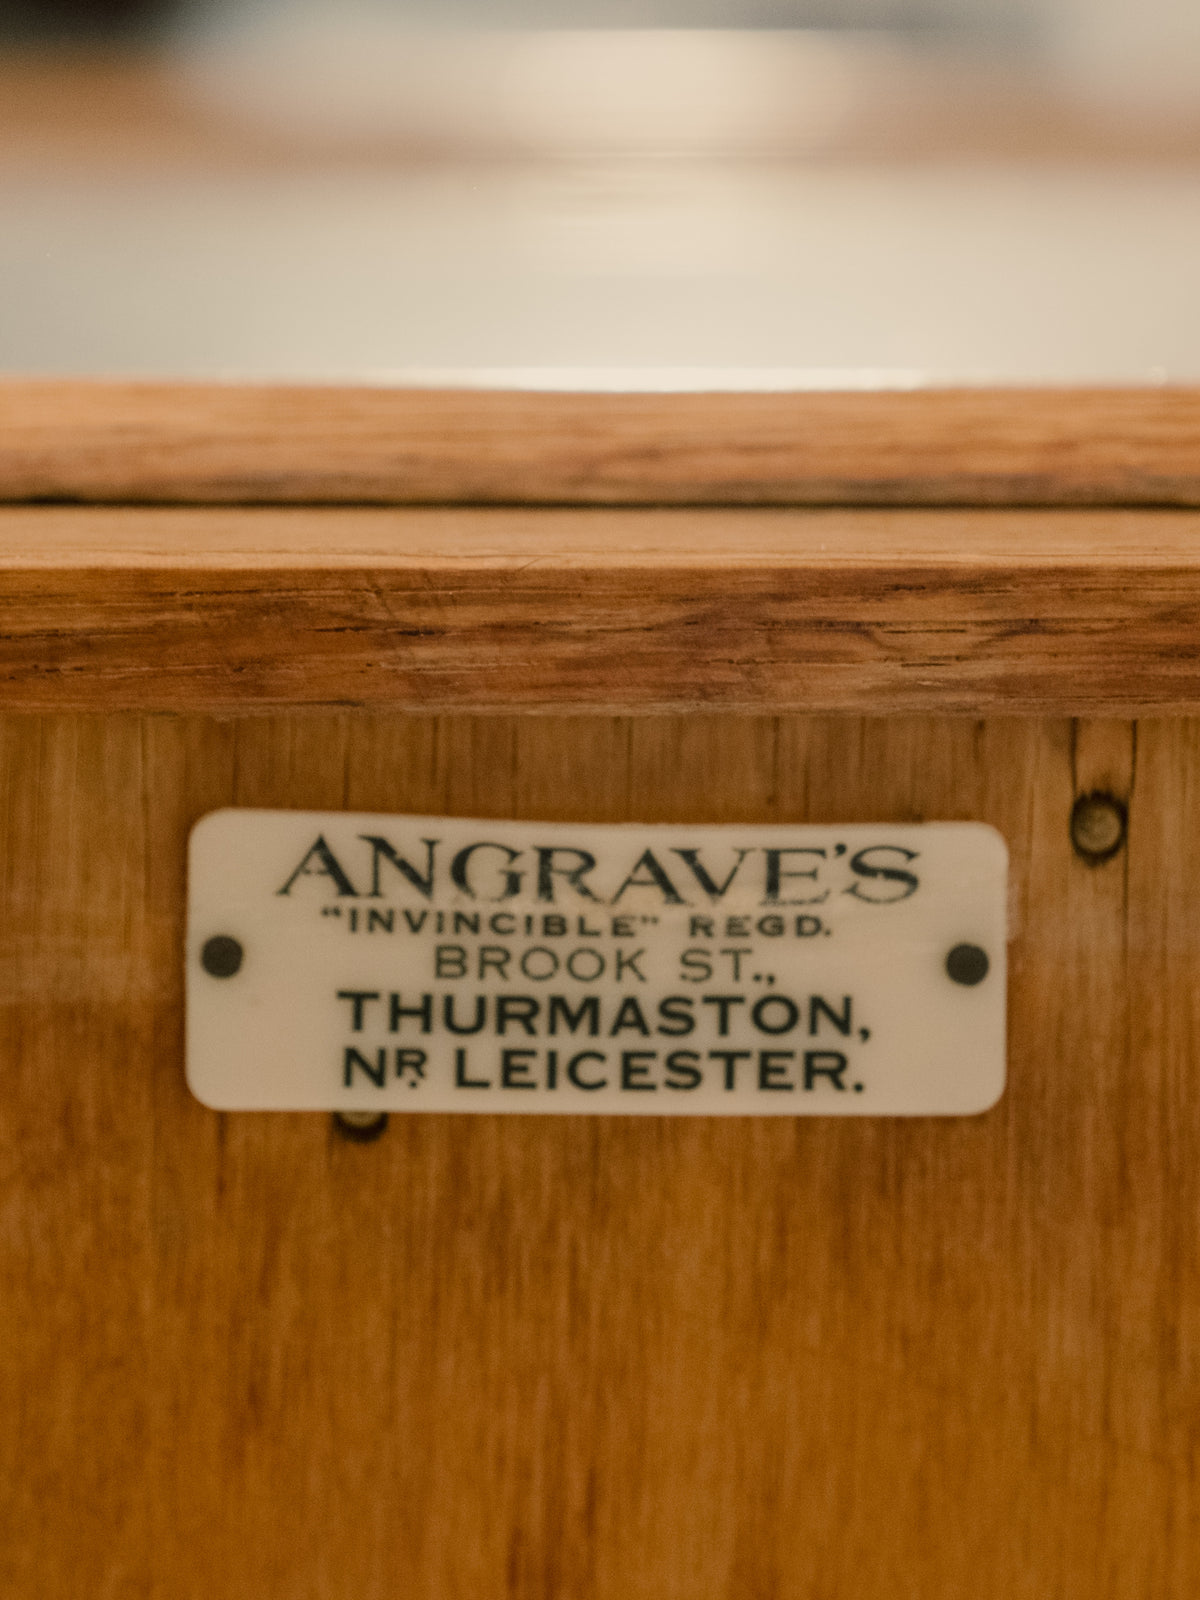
x=244, y=443
x=597, y=1358
x=1084, y=612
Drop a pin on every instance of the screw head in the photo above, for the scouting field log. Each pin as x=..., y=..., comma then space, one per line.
x=221, y=956
x=360, y=1127
x=967, y=964
x=1098, y=825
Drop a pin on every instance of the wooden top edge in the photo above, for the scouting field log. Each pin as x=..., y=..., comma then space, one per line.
x=93, y=545
x=534, y=609
x=132, y=442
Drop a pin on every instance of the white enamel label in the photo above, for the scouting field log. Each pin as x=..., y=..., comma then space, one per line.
x=338, y=961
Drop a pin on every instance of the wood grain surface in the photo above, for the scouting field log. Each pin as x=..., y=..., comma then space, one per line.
x=597, y=1357
x=1068, y=612
x=231, y=443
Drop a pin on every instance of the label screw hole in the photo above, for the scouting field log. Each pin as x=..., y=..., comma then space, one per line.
x=222, y=956
x=967, y=964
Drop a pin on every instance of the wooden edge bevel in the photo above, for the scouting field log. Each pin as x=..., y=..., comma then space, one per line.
x=857, y=611
x=211, y=444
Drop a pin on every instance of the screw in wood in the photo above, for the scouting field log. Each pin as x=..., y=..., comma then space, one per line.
x=360, y=1127
x=1099, y=823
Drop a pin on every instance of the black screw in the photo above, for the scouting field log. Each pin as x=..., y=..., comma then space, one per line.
x=221, y=956
x=1099, y=822
x=360, y=1127
x=968, y=964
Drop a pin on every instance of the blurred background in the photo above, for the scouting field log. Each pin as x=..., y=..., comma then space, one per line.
x=610, y=191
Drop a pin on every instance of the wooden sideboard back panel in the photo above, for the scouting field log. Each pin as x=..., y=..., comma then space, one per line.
x=554, y=1357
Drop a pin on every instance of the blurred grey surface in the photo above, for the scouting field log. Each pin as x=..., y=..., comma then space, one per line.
x=288, y=189
x=963, y=272
x=997, y=18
